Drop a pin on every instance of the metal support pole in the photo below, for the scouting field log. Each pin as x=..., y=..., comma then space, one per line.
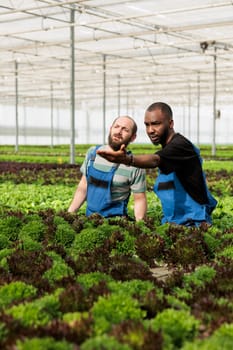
x=214, y=103
x=119, y=96
x=104, y=98
x=72, y=87
x=184, y=117
x=189, y=113
x=198, y=108
x=25, y=123
x=51, y=113
x=58, y=123
x=16, y=109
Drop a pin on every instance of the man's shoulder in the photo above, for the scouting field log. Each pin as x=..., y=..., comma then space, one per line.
x=180, y=141
x=179, y=137
x=93, y=149
x=182, y=138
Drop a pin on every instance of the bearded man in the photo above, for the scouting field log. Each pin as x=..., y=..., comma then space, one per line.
x=105, y=186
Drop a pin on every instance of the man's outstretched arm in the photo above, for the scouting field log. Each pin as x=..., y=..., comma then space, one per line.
x=140, y=161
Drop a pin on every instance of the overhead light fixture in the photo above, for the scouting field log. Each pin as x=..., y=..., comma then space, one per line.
x=204, y=45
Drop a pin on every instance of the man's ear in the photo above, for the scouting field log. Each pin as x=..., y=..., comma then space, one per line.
x=171, y=124
x=133, y=137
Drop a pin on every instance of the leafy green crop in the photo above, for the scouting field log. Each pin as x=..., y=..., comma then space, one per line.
x=64, y=233
x=126, y=245
x=4, y=253
x=4, y=242
x=195, y=280
x=199, y=277
x=10, y=227
x=3, y=332
x=47, y=343
x=132, y=288
x=15, y=291
x=221, y=339
x=34, y=197
x=177, y=326
x=113, y=295
x=38, y=312
x=90, y=238
x=227, y=252
x=113, y=309
x=104, y=342
x=58, y=270
x=34, y=230
x=87, y=280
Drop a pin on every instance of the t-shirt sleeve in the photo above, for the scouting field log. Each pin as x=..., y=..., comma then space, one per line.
x=83, y=168
x=138, y=183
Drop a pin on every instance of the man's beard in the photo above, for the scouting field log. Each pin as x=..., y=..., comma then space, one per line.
x=164, y=137
x=116, y=145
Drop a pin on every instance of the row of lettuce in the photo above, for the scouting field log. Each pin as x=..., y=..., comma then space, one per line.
x=71, y=282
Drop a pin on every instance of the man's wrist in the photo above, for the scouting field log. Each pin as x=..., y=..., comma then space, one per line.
x=130, y=160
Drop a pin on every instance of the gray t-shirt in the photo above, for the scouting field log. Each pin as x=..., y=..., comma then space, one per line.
x=126, y=178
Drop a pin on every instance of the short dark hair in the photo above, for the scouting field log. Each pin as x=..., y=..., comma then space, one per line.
x=165, y=108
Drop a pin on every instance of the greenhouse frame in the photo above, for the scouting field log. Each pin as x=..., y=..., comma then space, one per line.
x=69, y=67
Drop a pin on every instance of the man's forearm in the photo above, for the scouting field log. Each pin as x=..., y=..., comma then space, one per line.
x=145, y=161
x=78, y=199
x=76, y=204
x=140, y=206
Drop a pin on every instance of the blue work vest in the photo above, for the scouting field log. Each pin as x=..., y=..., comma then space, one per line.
x=99, y=198
x=178, y=206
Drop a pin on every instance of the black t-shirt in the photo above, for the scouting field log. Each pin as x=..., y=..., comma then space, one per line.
x=179, y=156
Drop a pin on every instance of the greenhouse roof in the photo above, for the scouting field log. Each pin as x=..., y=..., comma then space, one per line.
x=136, y=50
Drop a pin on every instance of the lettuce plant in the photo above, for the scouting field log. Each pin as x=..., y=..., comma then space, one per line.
x=134, y=288
x=103, y=342
x=15, y=291
x=114, y=309
x=58, y=270
x=227, y=252
x=222, y=338
x=136, y=335
x=10, y=227
x=88, y=280
x=47, y=343
x=90, y=238
x=34, y=229
x=64, y=235
x=3, y=332
x=4, y=242
x=4, y=253
x=195, y=281
x=202, y=274
x=177, y=326
x=38, y=312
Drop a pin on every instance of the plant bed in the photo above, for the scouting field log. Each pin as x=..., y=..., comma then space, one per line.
x=71, y=282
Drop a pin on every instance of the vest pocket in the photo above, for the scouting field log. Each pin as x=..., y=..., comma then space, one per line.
x=168, y=185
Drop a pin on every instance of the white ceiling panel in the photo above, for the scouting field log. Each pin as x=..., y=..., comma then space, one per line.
x=146, y=43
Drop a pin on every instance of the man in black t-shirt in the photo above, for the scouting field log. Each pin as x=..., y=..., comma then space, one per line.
x=181, y=184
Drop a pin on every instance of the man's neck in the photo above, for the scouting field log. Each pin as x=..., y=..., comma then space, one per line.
x=169, y=138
